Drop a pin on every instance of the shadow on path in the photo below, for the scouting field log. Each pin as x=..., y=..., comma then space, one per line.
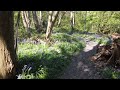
x=81, y=67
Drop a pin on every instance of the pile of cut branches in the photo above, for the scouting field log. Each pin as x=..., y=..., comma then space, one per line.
x=108, y=54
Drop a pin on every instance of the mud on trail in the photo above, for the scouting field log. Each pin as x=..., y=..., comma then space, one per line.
x=81, y=66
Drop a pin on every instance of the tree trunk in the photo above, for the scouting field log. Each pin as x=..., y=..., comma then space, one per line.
x=72, y=20
x=51, y=21
x=36, y=22
x=40, y=18
x=41, y=22
x=16, y=30
x=60, y=18
x=49, y=26
x=85, y=22
x=26, y=20
x=7, y=52
x=101, y=15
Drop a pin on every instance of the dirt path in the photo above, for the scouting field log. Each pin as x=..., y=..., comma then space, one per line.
x=81, y=67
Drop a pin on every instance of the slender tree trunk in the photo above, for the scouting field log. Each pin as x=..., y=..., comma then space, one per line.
x=16, y=30
x=51, y=21
x=26, y=20
x=40, y=18
x=60, y=18
x=7, y=52
x=49, y=26
x=85, y=22
x=36, y=21
x=40, y=21
x=101, y=16
x=72, y=20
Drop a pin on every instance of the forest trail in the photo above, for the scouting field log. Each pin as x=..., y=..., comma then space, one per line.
x=81, y=67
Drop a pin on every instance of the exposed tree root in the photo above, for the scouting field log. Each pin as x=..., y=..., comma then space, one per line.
x=109, y=54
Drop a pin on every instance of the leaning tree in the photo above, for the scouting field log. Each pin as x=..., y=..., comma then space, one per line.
x=51, y=21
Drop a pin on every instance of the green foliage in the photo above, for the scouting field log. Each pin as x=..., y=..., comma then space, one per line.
x=95, y=21
x=47, y=61
x=63, y=37
x=110, y=73
x=103, y=40
x=26, y=73
x=107, y=73
x=60, y=30
x=116, y=75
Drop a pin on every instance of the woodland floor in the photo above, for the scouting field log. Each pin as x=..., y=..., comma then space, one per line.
x=81, y=67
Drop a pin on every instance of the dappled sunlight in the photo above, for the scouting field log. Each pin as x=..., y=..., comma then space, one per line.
x=60, y=44
x=52, y=59
x=90, y=46
x=81, y=66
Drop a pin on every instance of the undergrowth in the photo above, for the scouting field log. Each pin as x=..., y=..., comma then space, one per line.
x=111, y=73
x=42, y=61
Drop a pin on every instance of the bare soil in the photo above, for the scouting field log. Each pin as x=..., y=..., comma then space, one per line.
x=81, y=67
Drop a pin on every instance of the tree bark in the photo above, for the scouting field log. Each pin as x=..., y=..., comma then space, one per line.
x=85, y=22
x=41, y=22
x=40, y=18
x=16, y=30
x=26, y=20
x=60, y=18
x=7, y=52
x=51, y=21
x=36, y=21
x=72, y=20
